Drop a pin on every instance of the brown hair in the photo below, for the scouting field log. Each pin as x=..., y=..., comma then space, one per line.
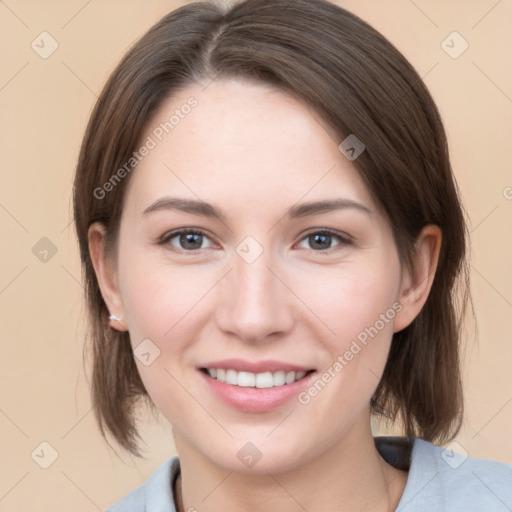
x=360, y=84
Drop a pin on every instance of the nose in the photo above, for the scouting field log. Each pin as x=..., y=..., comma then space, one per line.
x=254, y=301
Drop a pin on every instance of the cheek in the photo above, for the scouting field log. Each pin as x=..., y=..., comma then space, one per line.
x=354, y=298
x=359, y=305
x=158, y=297
x=162, y=305
x=171, y=304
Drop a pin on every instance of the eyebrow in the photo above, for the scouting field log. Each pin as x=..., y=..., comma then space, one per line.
x=205, y=209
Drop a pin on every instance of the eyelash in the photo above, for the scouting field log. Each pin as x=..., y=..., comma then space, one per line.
x=342, y=239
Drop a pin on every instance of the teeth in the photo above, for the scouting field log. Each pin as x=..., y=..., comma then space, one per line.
x=246, y=379
x=264, y=380
x=232, y=377
x=278, y=378
x=258, y=380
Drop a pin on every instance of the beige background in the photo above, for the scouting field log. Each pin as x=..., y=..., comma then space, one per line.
x=45, y=104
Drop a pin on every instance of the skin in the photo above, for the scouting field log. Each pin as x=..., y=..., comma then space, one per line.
x=254, y=152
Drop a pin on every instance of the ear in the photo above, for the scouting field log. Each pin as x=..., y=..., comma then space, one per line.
x=106, y=275
x=417, y=282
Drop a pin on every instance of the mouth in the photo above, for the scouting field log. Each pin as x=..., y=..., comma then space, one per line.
x=255, y=386
x=260, y=380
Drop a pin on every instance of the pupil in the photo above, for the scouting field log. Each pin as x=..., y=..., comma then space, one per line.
x=191, y=238
x=323, y=241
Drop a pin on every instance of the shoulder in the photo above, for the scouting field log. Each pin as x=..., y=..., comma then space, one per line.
x=440, y=479
x=155, y=494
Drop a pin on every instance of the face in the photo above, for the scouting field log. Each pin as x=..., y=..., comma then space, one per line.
x=269, y=287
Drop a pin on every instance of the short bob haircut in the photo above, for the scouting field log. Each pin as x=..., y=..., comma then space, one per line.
x=359, y=83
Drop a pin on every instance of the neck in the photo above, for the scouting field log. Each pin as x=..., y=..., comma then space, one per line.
x=348, y=476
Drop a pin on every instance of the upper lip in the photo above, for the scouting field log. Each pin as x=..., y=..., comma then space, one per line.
x=267, y=365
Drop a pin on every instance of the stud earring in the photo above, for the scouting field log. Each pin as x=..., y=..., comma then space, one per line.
x=114, y=317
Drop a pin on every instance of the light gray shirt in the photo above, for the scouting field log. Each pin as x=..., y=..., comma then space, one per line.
x=438, y=480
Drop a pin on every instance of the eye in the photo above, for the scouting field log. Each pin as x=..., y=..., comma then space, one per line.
x=186, y=240
x=323, y=240
x=192, y=241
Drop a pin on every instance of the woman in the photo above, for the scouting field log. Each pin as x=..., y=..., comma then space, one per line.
x=274, y=250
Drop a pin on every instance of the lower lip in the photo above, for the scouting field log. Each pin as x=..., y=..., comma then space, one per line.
x=255, y=399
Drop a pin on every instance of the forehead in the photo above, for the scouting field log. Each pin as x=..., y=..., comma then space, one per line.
x=241, y=142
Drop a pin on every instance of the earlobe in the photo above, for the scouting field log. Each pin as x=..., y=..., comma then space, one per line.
x=105, y=273
x=417, y=282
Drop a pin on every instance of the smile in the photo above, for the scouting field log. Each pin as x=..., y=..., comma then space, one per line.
x=255, y=386
x=255, y=380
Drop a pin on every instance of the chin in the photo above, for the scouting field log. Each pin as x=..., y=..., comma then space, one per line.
x=256, y=458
